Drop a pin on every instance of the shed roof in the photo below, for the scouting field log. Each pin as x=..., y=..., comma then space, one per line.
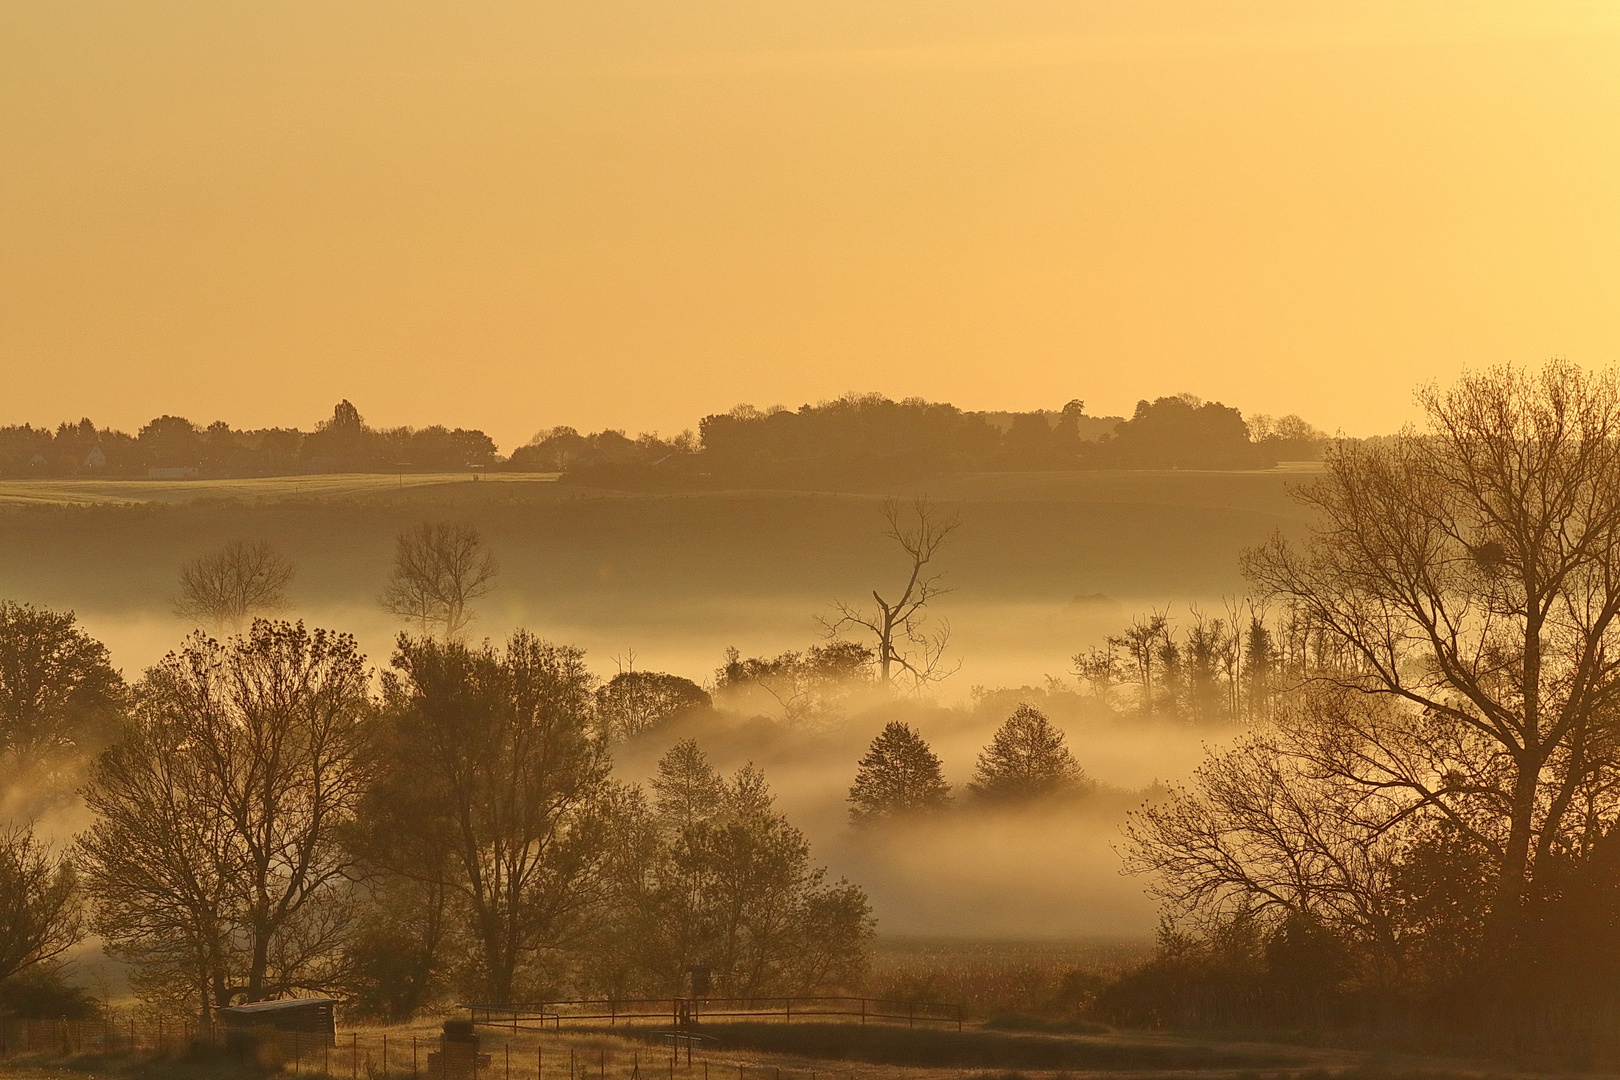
x=281, y=1005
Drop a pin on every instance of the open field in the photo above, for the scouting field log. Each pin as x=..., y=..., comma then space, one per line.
x=255, y=489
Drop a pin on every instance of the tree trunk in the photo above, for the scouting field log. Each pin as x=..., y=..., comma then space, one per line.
x=261, y=962
x=1507, y=911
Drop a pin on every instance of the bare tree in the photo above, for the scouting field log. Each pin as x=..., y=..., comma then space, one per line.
x=225, y=590
x=1143, y=644
x=904, y=642
x=41, y=916
x=1471, y=576
x=439, y=569
x=1285, y=821
x=215, y=855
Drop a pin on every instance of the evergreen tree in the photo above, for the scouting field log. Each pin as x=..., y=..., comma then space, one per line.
x=899, y=775
x=1026, y=759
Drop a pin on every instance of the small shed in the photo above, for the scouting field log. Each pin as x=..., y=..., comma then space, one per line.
x=311, y=1016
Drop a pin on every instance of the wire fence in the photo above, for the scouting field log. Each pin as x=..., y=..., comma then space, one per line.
x=685, y=1012
x=395, y=1054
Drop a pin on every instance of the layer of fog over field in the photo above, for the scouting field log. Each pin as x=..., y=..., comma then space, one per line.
x=1043, y=567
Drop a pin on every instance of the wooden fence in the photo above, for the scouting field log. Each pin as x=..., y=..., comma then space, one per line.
x=687, y=1012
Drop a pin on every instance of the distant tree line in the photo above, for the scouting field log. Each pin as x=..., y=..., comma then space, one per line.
x=870, y=438
x=855, y=438
x=1207, y=669
x=176, y=446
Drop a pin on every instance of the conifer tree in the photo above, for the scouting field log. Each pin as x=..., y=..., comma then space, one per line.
x=899, y=775
x=1026, y=759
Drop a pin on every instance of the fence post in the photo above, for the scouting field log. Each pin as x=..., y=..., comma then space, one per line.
x=509, y=1059
x=354, y=1055
x=413, y=1057
x=385, y=1054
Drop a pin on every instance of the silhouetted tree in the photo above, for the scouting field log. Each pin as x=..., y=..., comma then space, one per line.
x=633, y=702
x=60, y=699
x=439, y=570
x=898, y=776
x=809, y=687
x=41, y=912
x=1026, y=759
x=503, y=769
x=226, y=590
x=1183, y=432
x=899, y=627
x=171, y=442
x=725, y=881
x=215, y=857
x=1143, y=644
x=1466, y=577
x=687, y=789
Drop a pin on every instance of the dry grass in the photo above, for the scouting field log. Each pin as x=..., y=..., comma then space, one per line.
x=992, y=978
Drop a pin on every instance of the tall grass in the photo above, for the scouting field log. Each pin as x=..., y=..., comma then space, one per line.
x=993, y=978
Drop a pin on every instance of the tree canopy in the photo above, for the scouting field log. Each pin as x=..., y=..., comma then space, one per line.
x=1027, y=758
x=898, y=776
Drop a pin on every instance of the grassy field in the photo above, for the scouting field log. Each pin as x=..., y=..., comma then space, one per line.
x=256, y=489
x=991, y=979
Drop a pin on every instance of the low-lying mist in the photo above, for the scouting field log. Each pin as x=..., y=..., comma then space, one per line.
x=1046, y=870
x=1043, y=871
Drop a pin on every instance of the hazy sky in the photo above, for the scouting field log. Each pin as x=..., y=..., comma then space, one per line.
x=632, y=212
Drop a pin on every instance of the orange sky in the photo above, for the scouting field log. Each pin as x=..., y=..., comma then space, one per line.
x=517, y=213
